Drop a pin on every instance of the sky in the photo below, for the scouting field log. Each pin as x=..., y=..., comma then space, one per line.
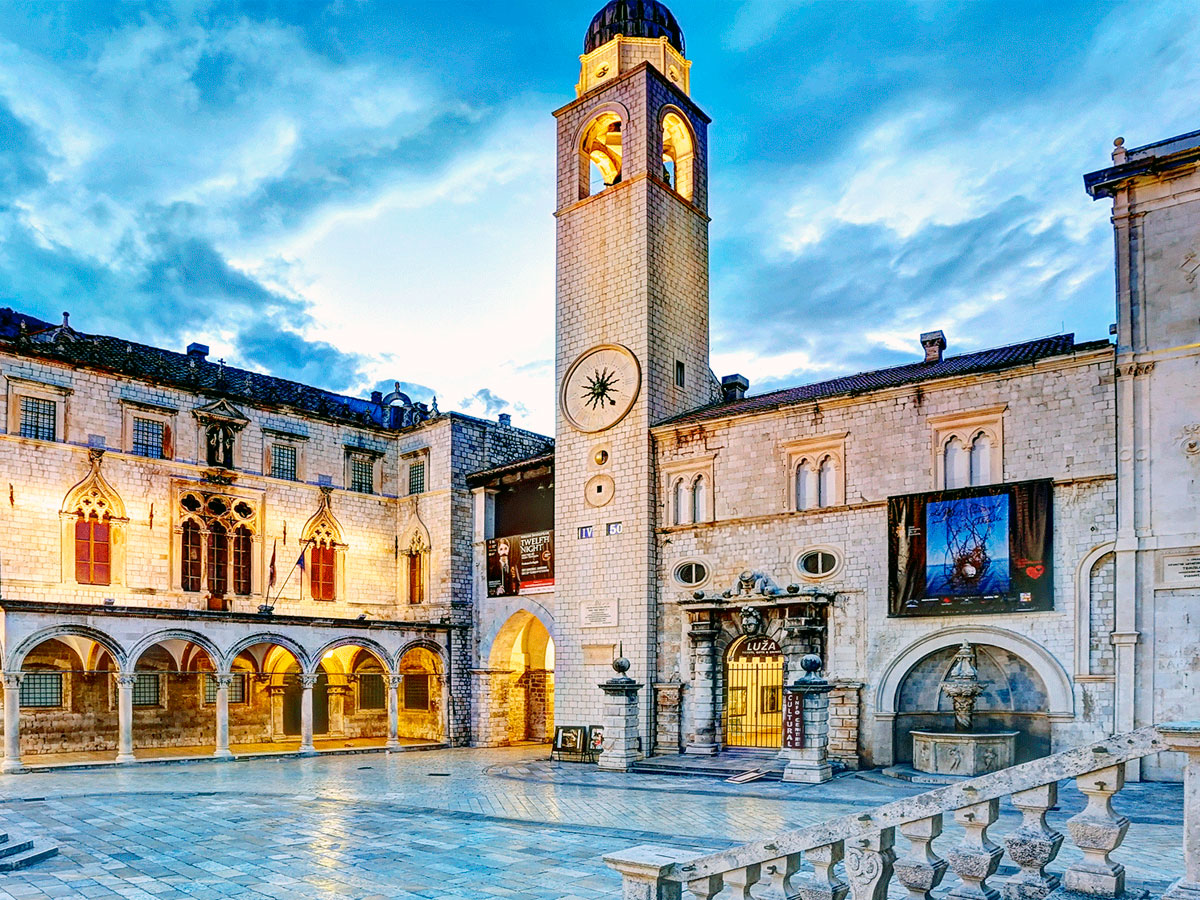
x=351, y=194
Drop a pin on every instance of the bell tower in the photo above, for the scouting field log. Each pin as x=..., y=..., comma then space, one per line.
x=632, y=336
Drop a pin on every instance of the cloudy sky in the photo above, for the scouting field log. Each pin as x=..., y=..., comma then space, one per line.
x=351, y=193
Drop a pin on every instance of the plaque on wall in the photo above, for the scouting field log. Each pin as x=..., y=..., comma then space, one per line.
x=1180, y=569
x=598, y=613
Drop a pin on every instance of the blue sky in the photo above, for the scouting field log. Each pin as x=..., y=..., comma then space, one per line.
x=351, y=193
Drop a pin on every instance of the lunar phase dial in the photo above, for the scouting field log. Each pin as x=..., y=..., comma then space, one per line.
x=600, y=387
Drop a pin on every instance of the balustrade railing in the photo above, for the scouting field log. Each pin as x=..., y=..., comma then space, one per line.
x=770, y=870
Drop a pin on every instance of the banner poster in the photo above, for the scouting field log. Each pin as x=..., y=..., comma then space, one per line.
x=520, y=564
x=986, y=549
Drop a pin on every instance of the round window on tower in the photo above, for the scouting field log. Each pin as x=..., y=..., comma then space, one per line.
x=818, y=563
x=691, y=573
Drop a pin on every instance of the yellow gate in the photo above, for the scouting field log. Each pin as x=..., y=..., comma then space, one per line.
x=753, y=713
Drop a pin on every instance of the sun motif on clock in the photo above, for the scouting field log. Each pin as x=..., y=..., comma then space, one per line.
x=600, y=387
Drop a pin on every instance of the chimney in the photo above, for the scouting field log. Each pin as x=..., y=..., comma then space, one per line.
x=734, y=387
x=198, y=351
x=505, y=420
x=934, y=343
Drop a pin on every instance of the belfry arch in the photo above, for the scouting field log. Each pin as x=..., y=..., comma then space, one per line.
x=517, y=703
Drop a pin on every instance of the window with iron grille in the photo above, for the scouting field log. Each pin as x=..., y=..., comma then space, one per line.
x=416, y=692
x=237, y=688
x=283, y=461
x=191, y=556
x=145, y=689
x=218, y=560
x=42, y=689
x=323, y=562
x=362, y=474
x=242, y=555
x=416, y=477
x=92, y=549
x=371, y=694
x=38, y=418
x=148, y=438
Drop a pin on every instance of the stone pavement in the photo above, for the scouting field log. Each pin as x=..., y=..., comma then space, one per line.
x=470, y=824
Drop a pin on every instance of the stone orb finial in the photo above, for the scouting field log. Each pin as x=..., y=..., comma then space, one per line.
x=810, y=663
x=1119, y=142
x=620, y=666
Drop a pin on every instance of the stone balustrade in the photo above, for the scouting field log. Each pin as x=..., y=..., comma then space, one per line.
x=771, y=869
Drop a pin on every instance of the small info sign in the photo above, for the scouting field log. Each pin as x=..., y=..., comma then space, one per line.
x=793, y=720
x=598, y=613
x=1182, y=569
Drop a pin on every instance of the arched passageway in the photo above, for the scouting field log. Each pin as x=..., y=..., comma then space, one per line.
x=422, y=695
x=520, y=699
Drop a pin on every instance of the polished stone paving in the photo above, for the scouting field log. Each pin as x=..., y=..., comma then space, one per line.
x=465, y=824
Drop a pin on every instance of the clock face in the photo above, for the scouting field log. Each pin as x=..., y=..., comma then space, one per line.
x=600, y=387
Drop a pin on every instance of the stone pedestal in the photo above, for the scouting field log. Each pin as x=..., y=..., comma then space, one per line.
x=963, y=753
x=806, y=727
x=702, y=729
x=620, y=724
x=1184, y=737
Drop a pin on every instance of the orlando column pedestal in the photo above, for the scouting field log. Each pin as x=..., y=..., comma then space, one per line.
x=620, y=719
x=806, y=725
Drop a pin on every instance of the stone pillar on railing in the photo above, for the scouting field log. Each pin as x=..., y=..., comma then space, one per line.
x=620, y=719
x=978, y=856
x=869, y=864
x=1097, y=831
x=642, y=870
x=778, y=875
x=806, y=725
x=703, y=724
x=823, y=883
x=1033, y=846
x=1184, y=737
x=921, y=870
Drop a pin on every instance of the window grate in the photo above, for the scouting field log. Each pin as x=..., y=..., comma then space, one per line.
x=416, y=692
x=42, y=689
x=370, y=692
x=237, y=688
x=38, y=418
x=145, y=689
x=416, y=478
x=147, y=438
x=243, y=546
x=283, y=461
x=362, y=474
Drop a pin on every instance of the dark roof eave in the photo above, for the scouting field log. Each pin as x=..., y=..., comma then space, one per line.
x=478, y=479
x=1142, y=161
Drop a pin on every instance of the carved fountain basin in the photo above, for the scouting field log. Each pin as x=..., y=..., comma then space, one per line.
x=963, y=753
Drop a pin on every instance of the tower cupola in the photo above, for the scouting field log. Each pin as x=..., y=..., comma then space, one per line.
x=627, y=33
x=633, y=18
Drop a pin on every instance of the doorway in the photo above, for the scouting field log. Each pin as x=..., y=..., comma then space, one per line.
x=753, y=713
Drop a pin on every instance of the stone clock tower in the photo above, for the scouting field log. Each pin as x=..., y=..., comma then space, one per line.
x=632, y=328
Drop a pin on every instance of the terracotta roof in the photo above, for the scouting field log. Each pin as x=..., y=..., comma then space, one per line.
x=880, y=379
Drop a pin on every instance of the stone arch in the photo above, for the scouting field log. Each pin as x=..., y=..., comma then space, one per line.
x=678, y=146
x=16, y=656
x=500, y=617
x=601, y=140
x=268, y=637
x=422, y=667
x=1083, y=604
x=174, y=634
x=93, y=519
x=371, y=646
x=422, y=644
x=93, y=493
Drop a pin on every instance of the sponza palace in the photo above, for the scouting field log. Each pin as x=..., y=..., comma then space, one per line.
x=203, y=558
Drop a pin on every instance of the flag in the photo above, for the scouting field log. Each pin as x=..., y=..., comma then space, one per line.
x=271, y=578
x=300, y=561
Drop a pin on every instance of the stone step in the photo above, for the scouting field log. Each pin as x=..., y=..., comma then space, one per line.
x=12, y=848
x=39, y=851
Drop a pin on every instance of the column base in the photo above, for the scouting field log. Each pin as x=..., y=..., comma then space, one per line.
x=1183, y=890
x=223, y=754
x=11, y=766
x=808, y=773
x=126, y=758
x=393, y=743
x=701, y=750
x=612, y=763
x=308, y=751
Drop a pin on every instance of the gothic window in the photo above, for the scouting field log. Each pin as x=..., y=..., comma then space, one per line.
x=218, y=442
x=38, y=418
x=218, y=560
x=816, y=472
x=242, y=553
x=600, y=154
x=955, y=464
x=682, y=503
x=324, y=564
x=416, y=577
x=806, y=485
x=93, y=552
x=827, y=484
x=678, y=154
x=981, y=459
x=191, y=555
x=699, y=499
x=968, y=448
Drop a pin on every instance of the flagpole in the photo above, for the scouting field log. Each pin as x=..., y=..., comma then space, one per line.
x=304, y=544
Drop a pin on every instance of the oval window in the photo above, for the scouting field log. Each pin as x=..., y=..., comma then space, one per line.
x=817, y=563
x=690, y=573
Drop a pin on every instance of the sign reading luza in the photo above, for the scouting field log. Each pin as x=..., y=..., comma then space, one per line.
x=985, y=549
x=521, y=564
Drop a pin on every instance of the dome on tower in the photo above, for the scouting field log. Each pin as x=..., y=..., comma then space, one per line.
x=633, y=18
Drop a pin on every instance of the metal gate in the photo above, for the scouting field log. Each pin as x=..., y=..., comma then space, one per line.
x=753, y=714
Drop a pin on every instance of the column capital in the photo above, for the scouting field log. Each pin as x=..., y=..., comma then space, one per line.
x=126, y=679
x=13, y=679
x=223, y=679
x=395, y=681
x=307, y=680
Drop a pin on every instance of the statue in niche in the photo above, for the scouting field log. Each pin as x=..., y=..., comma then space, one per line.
x=219, y=446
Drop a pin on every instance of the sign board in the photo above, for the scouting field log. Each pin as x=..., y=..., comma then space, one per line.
x=598, y=613
x=520, y=564
x=793, y=720
x=1181, y=569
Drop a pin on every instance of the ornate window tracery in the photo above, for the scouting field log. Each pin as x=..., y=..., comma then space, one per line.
x=217, y=535
x=93, y=522
x=326, y=551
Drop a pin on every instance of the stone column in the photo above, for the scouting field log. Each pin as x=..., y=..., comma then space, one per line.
x=620, y=720
x=125, y=682
x=224, y=679
x=703, y=730
x=1184, y=737
x=393, y=709
x=805, y=741
x=667, y=696
x=12, y=723
x=307, y=748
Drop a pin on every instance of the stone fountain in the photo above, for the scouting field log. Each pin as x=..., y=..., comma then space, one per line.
x=963, y=751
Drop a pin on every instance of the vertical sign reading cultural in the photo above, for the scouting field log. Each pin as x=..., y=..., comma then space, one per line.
x=793, y=720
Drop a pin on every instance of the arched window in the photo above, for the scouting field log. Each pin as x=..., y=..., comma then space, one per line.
x=416, y=576
x=93, y=553
x=678, y=151
x=981, y=459
x=324, y=566
x=700, y=499
x=955, y=464
x=191, y=555
x=242, y=554
x=682, y=503
x=827, y=493
x=600, y=154
x=218, y=560
x=806, y=485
